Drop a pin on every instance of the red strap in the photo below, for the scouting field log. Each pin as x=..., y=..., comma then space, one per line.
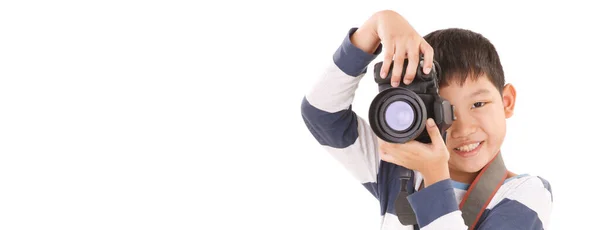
x=487, y=202
x=472, y=214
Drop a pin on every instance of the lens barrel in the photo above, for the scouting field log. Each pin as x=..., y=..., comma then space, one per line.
x=397, y=115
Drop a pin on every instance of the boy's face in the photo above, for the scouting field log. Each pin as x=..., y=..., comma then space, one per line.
x=478, y=131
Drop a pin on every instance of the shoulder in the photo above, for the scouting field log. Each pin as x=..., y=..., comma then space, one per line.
x=519, y=186
x=527, y=198
x=530, y=190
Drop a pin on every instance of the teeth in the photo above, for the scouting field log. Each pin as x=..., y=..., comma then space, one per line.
x=467, y=148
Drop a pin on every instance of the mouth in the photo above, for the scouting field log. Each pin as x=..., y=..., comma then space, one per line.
x=468, y=150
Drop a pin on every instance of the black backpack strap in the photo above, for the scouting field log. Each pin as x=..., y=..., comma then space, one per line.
x=404, y=211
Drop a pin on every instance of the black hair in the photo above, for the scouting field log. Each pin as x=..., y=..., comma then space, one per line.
x=462, y=54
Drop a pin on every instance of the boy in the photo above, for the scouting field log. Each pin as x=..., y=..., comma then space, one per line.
x=472, y=80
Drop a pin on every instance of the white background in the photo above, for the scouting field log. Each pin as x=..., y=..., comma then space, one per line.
x=181, y=115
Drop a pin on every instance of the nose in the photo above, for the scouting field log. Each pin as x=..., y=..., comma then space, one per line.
x=463, y=126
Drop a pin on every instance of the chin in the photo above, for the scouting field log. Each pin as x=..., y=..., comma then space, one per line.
x=470, y=168
x=469, y=165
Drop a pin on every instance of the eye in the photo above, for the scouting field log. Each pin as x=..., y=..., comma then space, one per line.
x=478, y=104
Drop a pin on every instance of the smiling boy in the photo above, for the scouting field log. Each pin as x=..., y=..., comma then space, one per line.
x=473, y=81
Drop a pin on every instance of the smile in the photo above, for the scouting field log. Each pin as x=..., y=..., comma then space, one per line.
x=469, y=149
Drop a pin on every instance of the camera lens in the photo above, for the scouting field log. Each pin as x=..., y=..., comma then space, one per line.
x=399, y=115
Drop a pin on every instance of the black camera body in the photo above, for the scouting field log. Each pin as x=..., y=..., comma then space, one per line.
x=398, y=114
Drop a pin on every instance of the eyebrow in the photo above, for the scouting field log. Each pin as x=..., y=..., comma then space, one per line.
x=481, y=91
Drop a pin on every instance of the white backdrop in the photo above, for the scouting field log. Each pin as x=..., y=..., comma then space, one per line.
x=181, y=115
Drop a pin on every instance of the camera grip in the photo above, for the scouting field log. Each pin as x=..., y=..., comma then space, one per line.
x=388, y=78
x=419, y=74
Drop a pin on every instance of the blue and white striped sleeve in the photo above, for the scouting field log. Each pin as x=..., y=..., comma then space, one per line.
x=526, y=206
x=327, y=113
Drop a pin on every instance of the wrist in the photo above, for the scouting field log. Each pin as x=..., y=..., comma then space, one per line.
x=365, y=38
x=435, y=174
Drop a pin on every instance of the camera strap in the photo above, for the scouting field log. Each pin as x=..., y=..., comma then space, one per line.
x=474, y=202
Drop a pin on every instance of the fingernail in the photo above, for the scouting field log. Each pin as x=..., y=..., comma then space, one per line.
x=406, y=81
x=382, y=75
x=430, y=123
x=395, y=84
x=427, y=70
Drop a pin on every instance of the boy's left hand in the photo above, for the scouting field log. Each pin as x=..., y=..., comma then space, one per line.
x=431, y=160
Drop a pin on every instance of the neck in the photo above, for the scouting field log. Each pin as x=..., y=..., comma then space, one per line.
x=463, y=177
x=468, y=178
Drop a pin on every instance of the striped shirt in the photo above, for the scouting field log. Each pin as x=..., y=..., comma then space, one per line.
x=522, y=202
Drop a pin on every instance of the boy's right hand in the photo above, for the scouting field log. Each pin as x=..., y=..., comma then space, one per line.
x=400, y=41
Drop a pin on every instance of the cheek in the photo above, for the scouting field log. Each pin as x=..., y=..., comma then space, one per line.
x=494, y=126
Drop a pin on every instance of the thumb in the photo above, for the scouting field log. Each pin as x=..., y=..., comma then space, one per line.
x=434, y=133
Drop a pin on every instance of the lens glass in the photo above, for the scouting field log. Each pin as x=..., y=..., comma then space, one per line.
x=399, y=115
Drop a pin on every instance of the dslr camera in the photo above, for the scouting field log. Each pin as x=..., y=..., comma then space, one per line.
x=398, y=114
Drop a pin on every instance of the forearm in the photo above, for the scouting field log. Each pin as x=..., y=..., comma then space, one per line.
x=335, y=89
x=365, y=37
x=327, y=111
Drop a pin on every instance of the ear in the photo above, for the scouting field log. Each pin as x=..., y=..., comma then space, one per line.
x=509, y=96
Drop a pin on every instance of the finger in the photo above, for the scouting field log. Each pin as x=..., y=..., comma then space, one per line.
x=404, y=151
x=407, y=148
x=388, y=54
x=427, y=56
x=392, y=157
x=381, y=146
x=413, y=62
x=399, y=57
x=414, y=147
x=384, y=155
x=434, y=133
x=386, y=150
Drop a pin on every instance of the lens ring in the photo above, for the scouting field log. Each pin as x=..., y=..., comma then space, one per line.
x=377, y=115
